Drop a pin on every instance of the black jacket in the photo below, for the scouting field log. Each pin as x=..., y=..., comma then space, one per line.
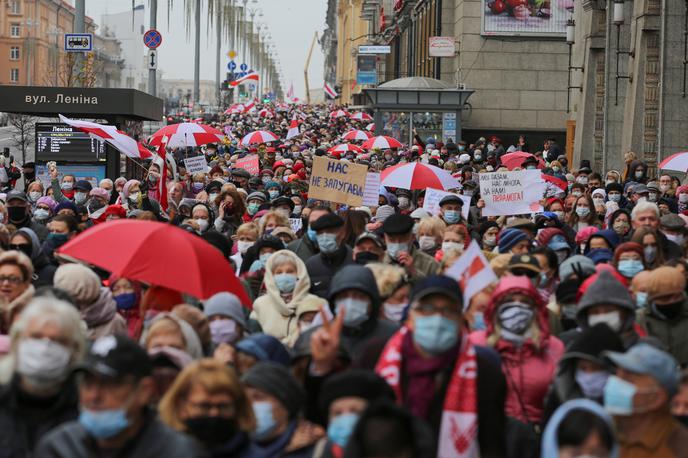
x=303, y=247
x=321, y=268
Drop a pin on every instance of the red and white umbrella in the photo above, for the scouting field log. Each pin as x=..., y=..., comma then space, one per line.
x=344, y=147
x=293, y=129
x=356, y=135
x=124, y=143
x=418, y=176
x=339, y=114
x=265, y=113
x=513, y=160
x=257, y=137
x=361, y=116
x=197, y=120
x=370, y=127
x=678, y=162
x=186, y=134
x=381, y=142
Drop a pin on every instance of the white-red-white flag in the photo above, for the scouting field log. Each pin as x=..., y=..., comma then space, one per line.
x=293, y=129
x=473, y=272
x=111, y=135
x=253, y=76
x=329, y=90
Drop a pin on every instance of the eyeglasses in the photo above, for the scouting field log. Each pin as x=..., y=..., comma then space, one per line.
x=12, y=280
x=205, y=408
x=426, y=308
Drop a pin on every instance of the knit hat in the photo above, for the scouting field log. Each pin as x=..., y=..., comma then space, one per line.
x=665, y=281
x=508, y=238
x=68, y=205
x=584, y=234
x=605, y=290
x=257, y=195
x=577, y=262
x=264, y=347
x=360, y=383
x=383, y=212
x=80, y=282
x=99, y=192
x=625, y=248
x=592, y=342
x=225, y=304
x=279, y=382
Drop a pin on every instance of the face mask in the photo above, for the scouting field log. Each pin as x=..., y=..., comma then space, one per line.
x=253, y=208
x=273, y=193
x=340, y=428
x=582, y=211
x=515, y=317
x=489, y=241
x=16, y=213
x=134, y=197
x=125, y=301
x=618, y=396
x=285, y=282
x=104, y=424
x=153, y=177
x=652, y=197
x=668, y=311
x=244, y=245
x=683, y=198
x=446, y=246
x=639, y=174
x=560, y=215
x=531, y=167
x=42, y=362
x=80, y=197
x=598, y=201
x=555, y=169
x=451, y=216
x=404, y=202
x=592, y=383
x=394, y=312
x=427, y=242
x=265, y=422
x=611, y=319
x=67, y=186
x=582, y=180
x=312, y=235
x=629, y=268
x=477, y=157
x=297, y=209
x=641, y=299
x=211, y=430
x=356, y=311
x=395, y=249
x=576, y=193
x=435, y=334
x=212, y=197
x=327, y=242
x=223, y=331
x=35, y=195
x=263, y=258
x=202, y=224
x=676, y=238
x=41, y=214
x=620, y=227
x=664, y=187
x=478, y=322
x=615, y=197
x=57, y=239
x=650, y=253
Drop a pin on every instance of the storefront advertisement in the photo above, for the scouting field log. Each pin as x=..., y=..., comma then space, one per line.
x=545, y=18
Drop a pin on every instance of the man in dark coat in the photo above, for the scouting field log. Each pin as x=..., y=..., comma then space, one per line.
x=334, y=253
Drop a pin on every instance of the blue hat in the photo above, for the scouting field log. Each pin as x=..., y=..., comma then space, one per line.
x=509, y=238
x=600, y=255
x=436, y=284
x=643, y=358
x=558, y=242
x=264, y=347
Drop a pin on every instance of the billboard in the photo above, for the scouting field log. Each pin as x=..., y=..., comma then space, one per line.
x=534, y=18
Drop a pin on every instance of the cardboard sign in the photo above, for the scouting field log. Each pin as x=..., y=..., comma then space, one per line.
x=431, y=204
x=371, y=193
x=337, y=181
x=196, y=164
x=472, y=271
x=511, y=193
x=249, y=163
x=296, y=224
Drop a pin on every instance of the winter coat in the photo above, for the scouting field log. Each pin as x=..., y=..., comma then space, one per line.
x=321, y=268
x=14, y=308
x=424, y=264
x=25, y=419
x=154, y=439
x=43, y=269
x=303, y=247
x=673, y=333
x=102, y=318
x=276, y=317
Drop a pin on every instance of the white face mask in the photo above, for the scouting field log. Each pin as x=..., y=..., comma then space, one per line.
x=42, y=362
x=394, y=312
x=134, y=197
x=452, y=246
x=611, y=319
x=426, y=242
x=243, y=245
x=202, y=224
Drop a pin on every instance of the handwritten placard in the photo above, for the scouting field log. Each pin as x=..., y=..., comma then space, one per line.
x=249, y=163
x=431, y=204
x=371, y=193
x=337, y=181
x=296, y=224
x=196, y=164
x=511, y=193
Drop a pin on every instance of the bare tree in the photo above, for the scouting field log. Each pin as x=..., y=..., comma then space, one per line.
x=23, y=127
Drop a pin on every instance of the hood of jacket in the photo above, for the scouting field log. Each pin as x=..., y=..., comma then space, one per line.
x=303, y=283
x=101, y=311
x=356, y=277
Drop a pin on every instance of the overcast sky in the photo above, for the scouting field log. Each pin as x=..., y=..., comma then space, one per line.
x=291, y=22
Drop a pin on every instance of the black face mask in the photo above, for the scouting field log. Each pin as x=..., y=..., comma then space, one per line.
x=211, y=430
x=23, y=247
x=364, y=257
x=16, y=214
x=670, y=311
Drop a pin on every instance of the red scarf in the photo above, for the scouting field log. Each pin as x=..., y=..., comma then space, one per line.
x=459, y=429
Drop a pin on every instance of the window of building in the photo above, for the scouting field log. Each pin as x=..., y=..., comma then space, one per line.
x=14, y=53
x=14, y=75
x=14, y=30
x=15, y=7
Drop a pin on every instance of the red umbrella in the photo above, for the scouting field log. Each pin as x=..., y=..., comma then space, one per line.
x=513, y=160
x=381, y=142
x=257, y=137
x=186, y=134
x=356, y=135
x=345, y=147
x=158, y=254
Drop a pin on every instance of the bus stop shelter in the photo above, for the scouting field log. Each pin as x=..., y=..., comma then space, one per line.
x=431, y=107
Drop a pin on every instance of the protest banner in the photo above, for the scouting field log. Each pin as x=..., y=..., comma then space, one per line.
x=431, y=204
x=371, y=192
x=337, y=181
x=249, y=163
x=511, y=193
x=473, y=272
x=196, y=164
x=296, y=224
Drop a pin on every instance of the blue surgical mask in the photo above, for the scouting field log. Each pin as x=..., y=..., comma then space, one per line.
x=582, y=211
x=263, y=258
x=273, y=193
x=592, y=383
x=253, y=208
x=356, y=311
x=312, y=235
x=452, y=216
x=67, y=186
x=394, y=249
x=125, y=301
x=641, y=299
x=435, y=334
x=629, y=268
x=340, y=428
x=285, y=282
x=41, y=214
x=104, y=424
x=327, y=242
x=265, y=421
x=618, y=396
x=478, y=322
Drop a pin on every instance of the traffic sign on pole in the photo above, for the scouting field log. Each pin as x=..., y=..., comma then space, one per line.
x=78, y=42
x=232, y=54
x=152, y=59
x=152, y=39
x=231, y=66
x=243, y=67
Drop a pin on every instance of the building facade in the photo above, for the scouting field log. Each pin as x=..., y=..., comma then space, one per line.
x=129, y=28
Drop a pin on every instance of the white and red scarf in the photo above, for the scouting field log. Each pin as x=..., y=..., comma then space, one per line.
x=459, y=429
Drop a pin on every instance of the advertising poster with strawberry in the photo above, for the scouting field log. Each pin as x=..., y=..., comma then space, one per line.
x=526, y=17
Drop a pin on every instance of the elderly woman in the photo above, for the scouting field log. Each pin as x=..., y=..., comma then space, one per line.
x=202, y=216
x=270, y=220
x=287, y=284
x=394, y=287
x=131, y=195
x=208, y=402
x=197, y=184
x=245, y=236
x=38, y=393
x=34, y=191
x=45, y=209
x=430, y=231
x=16, y=274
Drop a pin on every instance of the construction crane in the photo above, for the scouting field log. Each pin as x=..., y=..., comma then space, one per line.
x=305, y=69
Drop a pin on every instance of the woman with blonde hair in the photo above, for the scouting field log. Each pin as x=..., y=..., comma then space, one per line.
x=244, y=238
x=272, y=219
x=430, y=231
x=394, y=287
x=208, y=402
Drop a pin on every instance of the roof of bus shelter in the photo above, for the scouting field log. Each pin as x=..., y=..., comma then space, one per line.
x=417, y=94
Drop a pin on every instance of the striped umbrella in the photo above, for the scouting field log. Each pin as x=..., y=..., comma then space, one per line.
x=381, y=142
x=370, y=127
x=339, y=114
x=186, y=134
x=356, y=135
x=361, y=116
x=344, y=147
x=257, y=137
x=418, y=176
x=677, y=161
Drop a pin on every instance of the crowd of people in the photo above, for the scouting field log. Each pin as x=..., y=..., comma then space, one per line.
x=355, y=342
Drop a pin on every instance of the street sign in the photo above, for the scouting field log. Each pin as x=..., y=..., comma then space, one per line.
x=243, y=67
x=373, y=49
x=231, y=66
x=232, y=54
x=152, y=59
x=152, y=39
x=78, y=42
